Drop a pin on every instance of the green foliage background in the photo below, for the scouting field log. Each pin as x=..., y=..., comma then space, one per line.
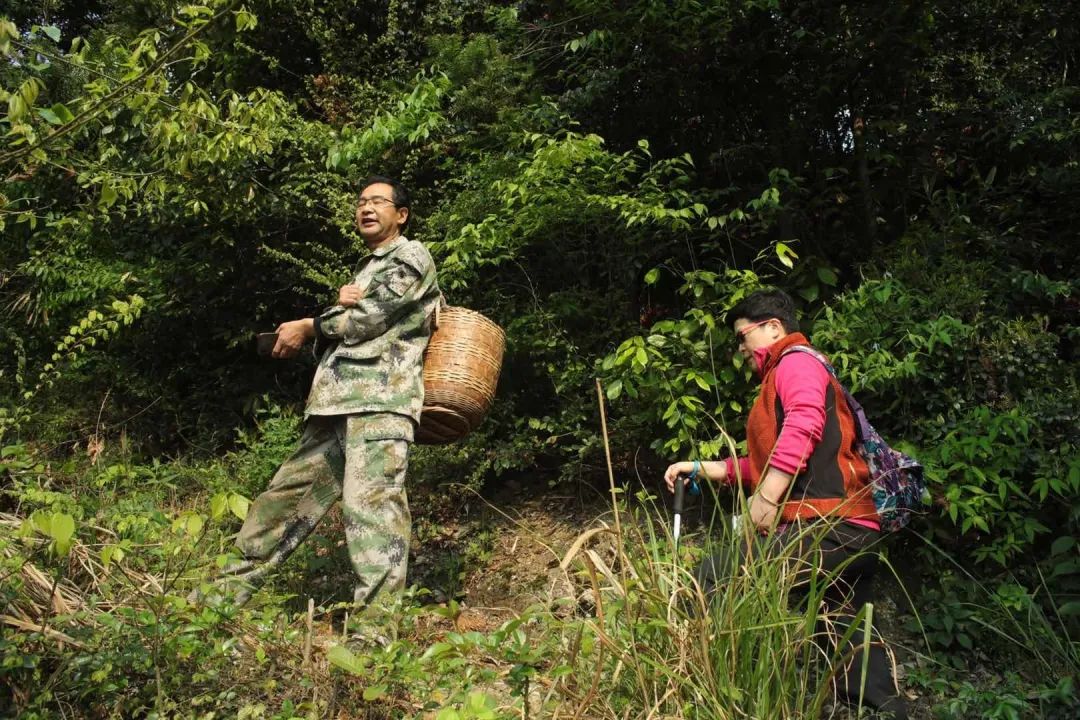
x=602, y=179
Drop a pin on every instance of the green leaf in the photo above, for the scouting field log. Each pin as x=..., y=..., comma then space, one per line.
x=614, y=389
x=194, y=525
x=111, y=554
x=245, y=20
x=16, y=107
x=786, y=255
x=340, y=656
x=53, y=32
x=218, y=505
x=50, y=117
x=827, y=276
x=61, y=530
x=108, y=195
x=7, y=31
x=374, y=692
x=480, y=705
x=1069, y=567
x=29, y=91
x=1062, y=544
x=61, y=111
x=437, y=650
x=40, y=521
x=652, y=276
x=1070, y=608
x=239, y=505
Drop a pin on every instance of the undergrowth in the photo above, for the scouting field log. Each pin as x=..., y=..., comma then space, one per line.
x=97, y=624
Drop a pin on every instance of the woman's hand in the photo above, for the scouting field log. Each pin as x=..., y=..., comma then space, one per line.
x=707, y=470
x=763, y=512
x=768, y=497
x=674, y=471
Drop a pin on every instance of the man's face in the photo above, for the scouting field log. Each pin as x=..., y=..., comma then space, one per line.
x=377, y=218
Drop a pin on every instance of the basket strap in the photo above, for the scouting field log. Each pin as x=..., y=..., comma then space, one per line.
x=437, y=312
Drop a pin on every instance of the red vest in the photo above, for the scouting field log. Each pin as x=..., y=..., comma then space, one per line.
x=835, y=479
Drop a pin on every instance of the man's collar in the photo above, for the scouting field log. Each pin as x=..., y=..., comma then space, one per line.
x=388, y=246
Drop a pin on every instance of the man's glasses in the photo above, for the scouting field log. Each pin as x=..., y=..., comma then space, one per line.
x=741, y=333
x=374, y=201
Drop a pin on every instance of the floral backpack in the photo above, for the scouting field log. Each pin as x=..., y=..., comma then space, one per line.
x=896, y=480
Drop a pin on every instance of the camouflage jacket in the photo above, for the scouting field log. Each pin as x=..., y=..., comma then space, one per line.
x=374, y=357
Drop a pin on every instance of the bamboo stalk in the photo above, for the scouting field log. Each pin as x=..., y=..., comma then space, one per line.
x=310, y=631
x=611, y=484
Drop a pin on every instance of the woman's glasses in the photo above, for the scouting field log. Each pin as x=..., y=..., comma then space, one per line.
x=741, y=333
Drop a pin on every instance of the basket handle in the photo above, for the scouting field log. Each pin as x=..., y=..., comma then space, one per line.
x=438, y=311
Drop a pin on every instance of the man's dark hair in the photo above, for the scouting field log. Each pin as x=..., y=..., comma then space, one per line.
x=401, y=196
x=765, y=305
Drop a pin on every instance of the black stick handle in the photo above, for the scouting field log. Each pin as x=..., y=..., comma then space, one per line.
x=680, y=493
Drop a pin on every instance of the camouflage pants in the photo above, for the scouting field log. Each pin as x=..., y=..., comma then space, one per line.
x=360, y=459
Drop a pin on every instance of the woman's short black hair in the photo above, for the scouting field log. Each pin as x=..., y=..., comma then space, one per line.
x=765, y=305
x=401, y=196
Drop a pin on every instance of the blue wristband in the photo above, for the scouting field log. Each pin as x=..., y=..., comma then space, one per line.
x=694, y=489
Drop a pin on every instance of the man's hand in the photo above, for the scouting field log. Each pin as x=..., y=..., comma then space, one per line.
x=291, y=337
x=349, y=295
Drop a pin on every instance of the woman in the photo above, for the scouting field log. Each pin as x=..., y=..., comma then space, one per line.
x=803, y=471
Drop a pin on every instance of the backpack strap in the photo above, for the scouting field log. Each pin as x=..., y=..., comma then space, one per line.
x=862, y=424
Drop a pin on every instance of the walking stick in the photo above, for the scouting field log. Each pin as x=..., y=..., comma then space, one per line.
x=680, y=495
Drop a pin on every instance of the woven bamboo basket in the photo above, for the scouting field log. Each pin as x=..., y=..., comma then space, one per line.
x=461, y=370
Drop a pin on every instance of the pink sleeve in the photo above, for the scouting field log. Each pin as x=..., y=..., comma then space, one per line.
x=801, y=382
x=744, y=470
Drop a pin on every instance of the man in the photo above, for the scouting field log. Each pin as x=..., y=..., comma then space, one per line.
x=361, y=413
x=807, y=481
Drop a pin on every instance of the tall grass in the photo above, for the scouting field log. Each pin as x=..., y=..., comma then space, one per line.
x=759, y=646
x=656, y=646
